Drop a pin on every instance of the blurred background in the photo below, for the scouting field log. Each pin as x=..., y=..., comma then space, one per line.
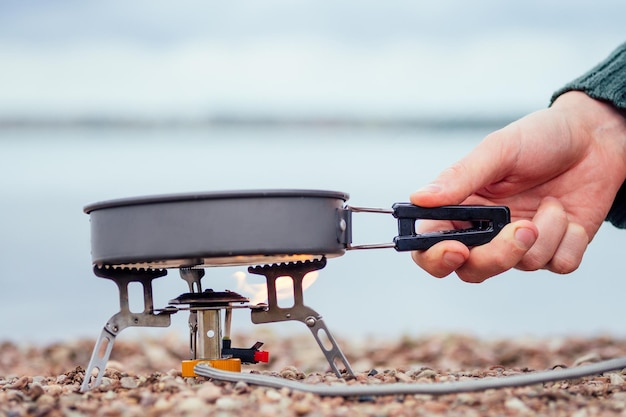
x=103, y=100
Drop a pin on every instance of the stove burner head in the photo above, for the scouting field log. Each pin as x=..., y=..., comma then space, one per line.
x=209, y=298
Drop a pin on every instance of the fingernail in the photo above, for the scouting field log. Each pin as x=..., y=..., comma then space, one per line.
x=525, y=237
x=453, y=259
x=430, y=188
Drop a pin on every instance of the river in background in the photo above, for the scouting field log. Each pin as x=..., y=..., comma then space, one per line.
x=48, y=291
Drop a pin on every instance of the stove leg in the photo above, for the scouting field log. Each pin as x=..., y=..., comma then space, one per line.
x=330, y=348
x=99, y=358
x=299, y=311
x=124, y=318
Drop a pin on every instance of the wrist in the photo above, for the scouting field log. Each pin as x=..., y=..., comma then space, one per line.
x=604, y=123
x=606, y=127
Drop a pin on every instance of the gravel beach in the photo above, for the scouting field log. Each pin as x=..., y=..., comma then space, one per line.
x=143, y=378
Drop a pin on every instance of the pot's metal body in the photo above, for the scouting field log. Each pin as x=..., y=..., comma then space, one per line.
x=219, y=228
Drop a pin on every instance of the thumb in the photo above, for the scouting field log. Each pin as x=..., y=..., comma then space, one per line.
x=481, y=167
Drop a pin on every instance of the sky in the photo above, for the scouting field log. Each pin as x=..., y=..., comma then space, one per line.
x=190, y=59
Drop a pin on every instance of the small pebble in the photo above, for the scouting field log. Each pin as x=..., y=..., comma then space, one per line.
x=435, y=406
x=289, y=372
x=129, y=382
x=273, y=395
x=109, y=395
x=241, y=387
x=39, y=379
x=616, y=379
x=191, y=404
x=45, y=399
x=53, y=390
x=302, y=408
x=402, y=377
x=517, y=405
x=35, y=390
x=209, y=392
x=20, y=383
x=162, y=405
x=227, y=403
x=426, y=373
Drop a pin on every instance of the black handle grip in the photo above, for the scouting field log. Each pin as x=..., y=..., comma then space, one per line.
x=487, y=221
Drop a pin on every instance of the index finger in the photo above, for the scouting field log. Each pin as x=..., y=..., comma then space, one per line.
x=484, y=165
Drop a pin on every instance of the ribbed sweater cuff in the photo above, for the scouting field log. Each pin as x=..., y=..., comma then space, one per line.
x=606, y=81
x=617, y=214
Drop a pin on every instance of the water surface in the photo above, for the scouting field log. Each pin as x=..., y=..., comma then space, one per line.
x=49, y=292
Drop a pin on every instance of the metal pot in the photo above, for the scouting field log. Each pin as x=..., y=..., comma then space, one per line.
x=218, y=228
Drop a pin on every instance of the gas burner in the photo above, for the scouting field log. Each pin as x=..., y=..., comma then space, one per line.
x=206, y=342
x=288, y=233
x=209, y=298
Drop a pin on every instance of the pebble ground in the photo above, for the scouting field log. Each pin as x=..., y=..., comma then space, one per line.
x=143, y=378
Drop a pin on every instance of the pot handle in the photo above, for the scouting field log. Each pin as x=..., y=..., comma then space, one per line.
x=487, y=221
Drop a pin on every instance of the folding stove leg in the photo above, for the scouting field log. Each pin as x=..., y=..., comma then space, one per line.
x=124, y=318
x=99, y=359
x=299, y=312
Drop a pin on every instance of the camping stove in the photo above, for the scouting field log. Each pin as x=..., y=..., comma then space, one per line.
x=277, y=233
x=209, y=338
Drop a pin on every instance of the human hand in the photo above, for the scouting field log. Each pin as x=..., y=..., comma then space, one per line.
x=557, y=169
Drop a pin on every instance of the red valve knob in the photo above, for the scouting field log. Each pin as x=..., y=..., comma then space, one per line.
x=262, y=356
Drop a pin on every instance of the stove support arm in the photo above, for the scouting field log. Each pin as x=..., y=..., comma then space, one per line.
x=298, y=312
x=124, y=318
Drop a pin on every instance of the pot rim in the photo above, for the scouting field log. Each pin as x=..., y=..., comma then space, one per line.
x=215, y=195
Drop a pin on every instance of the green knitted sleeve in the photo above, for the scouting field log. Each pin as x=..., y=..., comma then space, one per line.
x=606, y=82
x=617, y=214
